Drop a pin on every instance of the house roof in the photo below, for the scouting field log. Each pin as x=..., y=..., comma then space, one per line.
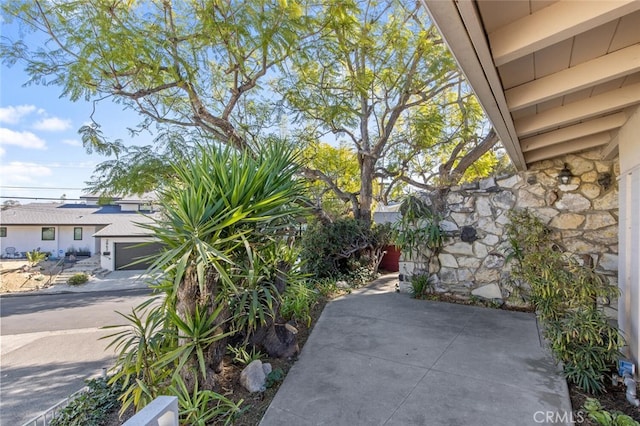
x=125, y=228
x=67, y=214
x=554, y=77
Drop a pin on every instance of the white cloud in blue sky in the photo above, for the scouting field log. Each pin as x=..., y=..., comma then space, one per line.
x=72, y=142
x=22, y=139
x=13, y=114
x=52, y=124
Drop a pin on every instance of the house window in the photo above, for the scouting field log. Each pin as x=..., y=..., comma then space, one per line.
x=3, y=231
x=77, y=233
x=48, y=233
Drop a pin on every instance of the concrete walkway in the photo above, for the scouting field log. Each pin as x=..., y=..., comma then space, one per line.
x=377, y=357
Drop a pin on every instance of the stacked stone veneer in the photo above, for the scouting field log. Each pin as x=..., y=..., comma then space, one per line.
x=583, y=215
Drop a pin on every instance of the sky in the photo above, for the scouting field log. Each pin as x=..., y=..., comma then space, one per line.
x=41, y=153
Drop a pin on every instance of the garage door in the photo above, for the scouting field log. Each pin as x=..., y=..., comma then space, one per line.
x=126, y=253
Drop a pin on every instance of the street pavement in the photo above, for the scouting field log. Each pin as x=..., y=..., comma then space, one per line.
x=50, y=340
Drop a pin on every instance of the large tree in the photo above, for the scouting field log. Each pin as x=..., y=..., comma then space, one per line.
x=379, y=77
x=191, y=69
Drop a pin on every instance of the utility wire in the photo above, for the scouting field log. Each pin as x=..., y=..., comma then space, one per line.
x=39, y=187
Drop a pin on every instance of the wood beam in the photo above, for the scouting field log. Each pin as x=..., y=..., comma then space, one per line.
x=567, y=147
x=600, y=70
x=587, y=128
x=610, y=150
x=554, y=23
x=580, y=110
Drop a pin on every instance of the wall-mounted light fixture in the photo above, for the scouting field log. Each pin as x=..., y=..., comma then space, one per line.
x=565, y=175
x=604, y=180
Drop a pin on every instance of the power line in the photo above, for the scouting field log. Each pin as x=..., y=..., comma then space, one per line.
x=40, y=198
x=40, y=187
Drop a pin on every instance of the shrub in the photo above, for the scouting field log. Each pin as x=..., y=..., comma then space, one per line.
x=605, y=418
x=419, y=285
x=565, y=296
x=297, y=302
x=35, y=256
x=339, y=248
x=90, y=407
x=244, y=357
x=78, y=279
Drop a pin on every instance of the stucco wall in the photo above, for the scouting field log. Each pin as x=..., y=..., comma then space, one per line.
x=583, y=215
x=27, y=238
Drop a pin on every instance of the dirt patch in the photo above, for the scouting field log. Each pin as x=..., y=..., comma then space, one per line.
x=18, y=276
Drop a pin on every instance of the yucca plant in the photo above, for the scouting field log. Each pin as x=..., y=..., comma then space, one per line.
x=220, y=212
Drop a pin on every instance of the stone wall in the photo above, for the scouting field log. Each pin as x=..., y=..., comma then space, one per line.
x=583, y=215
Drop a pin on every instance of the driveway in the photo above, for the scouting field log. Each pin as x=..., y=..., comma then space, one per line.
x=376, y=357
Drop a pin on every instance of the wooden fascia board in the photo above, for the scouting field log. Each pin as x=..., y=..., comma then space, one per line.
x=568, y=147
x=587, y=128
x=600, y=70
x=580, y=110
x=610, y=150
x=552, y=24
x=454, y=30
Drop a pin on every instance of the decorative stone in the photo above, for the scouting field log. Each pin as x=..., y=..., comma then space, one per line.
x=461, y=218
x=599, y=220
x=489, y=225
x=606, y=202
x=613, y=248
x=545, y=214
x=607, y=235
x=567, y=221
x=406, y=268
x=489, y=291
x=470, y=186
x=590, y=190
x=589, y=177
x=267, y=368
x=448, y=275
x=448, y=226
x=465, y=275
x=568, y=187
x=253, y=377
x=487, y=184
x=468, y=234
x=510, y=182
x=579, y=166
x=447, y=260
x=503, y=219
x=551, y=197
x=548, y=181
x=573, y=202
x=460, y=248
x=455, y=198
x=527, y=199
x=342, y=284
x=480, y=249
x=537, y=190
x=484, y=275
x=602, y=166
x=468, y=262
x=541, y=165
x=577, y=246
x=571, y=234
x=493, y=261
x=483, y=207
x=608, y=262
x=491, y=240
x=504, y=200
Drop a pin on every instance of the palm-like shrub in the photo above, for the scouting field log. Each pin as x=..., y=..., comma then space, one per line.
x=225, y=222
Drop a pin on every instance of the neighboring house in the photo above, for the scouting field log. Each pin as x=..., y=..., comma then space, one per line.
x=109, y=231
x=557, y=78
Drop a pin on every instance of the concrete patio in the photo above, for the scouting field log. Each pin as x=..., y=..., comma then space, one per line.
x=377, y=357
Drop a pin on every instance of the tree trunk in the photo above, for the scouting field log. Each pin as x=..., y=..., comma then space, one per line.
x=188, y=298
x=367, y=166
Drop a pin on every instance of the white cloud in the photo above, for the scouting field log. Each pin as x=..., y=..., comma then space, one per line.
x=18, y=173
x=21, y=139
x=13, y=114
x=52, y=124
x=72, y=142
x=2, y=151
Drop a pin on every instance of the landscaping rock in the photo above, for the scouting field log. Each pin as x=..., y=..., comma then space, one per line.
x=342, y=284
x=253, y=377
x=267, y=368
x=489, y=291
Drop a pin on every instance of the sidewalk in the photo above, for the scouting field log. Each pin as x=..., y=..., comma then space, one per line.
x=377, y=357
x=115, y=281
